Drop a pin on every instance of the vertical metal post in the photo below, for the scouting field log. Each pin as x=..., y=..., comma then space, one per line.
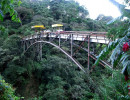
x=40, y=51
x=40, y=47
x=24, y=46
x=71, y=44
x=26, y=43
x=59, y=39
x=88, y=50
x=50, y=38
x=93, y=48
x=33, y=46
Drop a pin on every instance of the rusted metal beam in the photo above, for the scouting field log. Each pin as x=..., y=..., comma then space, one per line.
x=94, y=56
x=81, y=45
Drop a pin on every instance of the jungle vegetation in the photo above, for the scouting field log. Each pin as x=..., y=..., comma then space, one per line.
x=56, y=77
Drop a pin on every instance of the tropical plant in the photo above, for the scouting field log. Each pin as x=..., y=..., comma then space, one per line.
x=119, y=49
x=6, y=91
x=118, y=55
x=114, y=88
x=7, y=6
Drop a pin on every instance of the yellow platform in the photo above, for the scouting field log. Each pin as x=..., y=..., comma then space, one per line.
x=57, y=25
x=38, y=26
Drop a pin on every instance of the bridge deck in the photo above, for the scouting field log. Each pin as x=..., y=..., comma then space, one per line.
x=97, y=37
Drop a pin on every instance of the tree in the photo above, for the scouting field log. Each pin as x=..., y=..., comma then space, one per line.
x=56, y=9
x=7, y=6
x=6, y=91
x=101, y=17
x=120, y=53
x=24, y=14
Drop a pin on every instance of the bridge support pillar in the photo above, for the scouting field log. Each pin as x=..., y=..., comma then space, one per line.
x=88, y=51
x=59, y=39
x=40, y=51
x=40, y=48
x=24, y=46
x=71, y=45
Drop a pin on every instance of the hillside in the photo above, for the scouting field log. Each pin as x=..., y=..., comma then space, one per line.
x=56, y=77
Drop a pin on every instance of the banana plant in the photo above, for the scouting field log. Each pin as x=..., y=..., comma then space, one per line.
x=118, y=56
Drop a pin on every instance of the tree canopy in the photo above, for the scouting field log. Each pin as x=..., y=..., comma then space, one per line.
x=55, y=77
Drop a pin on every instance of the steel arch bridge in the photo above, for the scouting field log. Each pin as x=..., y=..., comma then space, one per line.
x=67, y=37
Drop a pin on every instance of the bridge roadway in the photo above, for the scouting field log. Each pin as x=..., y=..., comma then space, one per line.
x=97, y=37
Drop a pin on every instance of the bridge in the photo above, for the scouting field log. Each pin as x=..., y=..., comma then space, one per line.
x=59, y=39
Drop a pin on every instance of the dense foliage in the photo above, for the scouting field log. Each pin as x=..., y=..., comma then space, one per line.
x=55, y=77
x=7, y=6
x=6, y=91
x=119, y=49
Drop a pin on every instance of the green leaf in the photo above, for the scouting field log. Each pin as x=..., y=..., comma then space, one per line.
x=1, y=15
x=19, y=20
x=19, y=2
x=14, y=17
x=11, y=1
x=11, y=12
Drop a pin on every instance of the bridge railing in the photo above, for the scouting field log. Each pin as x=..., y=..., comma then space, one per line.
x=99, y=37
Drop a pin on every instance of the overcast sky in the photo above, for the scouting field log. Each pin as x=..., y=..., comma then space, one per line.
x=96, y=7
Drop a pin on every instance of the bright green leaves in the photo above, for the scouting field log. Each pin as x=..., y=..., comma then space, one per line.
x=7, y=6
x=1, y=15
x=18, y=20
x=19, y=2
x=13, y=17
x=11, y=12
x=6, y=91
x=11, y=1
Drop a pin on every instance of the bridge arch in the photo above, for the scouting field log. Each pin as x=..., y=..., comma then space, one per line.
x=63, y=51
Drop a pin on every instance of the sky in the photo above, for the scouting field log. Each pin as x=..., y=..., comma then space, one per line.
x=96, y=7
